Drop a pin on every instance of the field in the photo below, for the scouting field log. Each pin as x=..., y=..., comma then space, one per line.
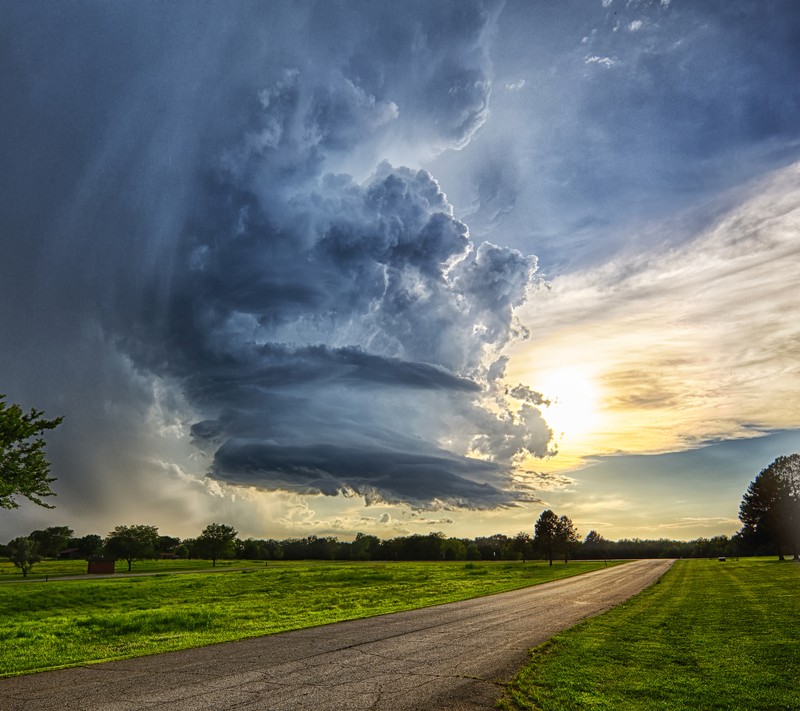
x=46, y=625
x=57, y=568
x=711, y=635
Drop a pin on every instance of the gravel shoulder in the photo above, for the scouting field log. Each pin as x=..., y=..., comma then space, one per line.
x=450, y=657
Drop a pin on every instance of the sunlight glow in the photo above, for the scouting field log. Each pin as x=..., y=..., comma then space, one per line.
x=574, y=396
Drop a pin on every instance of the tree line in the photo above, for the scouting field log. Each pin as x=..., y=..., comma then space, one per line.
x=127, y=543
x=769, y=512
x=554, y=538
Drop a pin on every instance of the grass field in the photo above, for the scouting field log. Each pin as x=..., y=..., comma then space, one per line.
x=57, y=568
x=711, y=635
x=46, y=625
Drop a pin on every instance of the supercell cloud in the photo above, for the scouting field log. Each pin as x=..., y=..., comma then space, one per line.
x=239, y=237
x=336, y=334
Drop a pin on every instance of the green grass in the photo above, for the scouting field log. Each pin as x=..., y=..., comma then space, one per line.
x=711, y=635
x=54, y=568
x=47, y=625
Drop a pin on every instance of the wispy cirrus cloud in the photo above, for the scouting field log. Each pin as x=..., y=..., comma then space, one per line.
x=691, y=342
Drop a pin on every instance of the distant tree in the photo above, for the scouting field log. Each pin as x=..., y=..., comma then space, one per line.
x=566, y=536
x=770, y=508
x=187, y=548
x=422, y=546
x=131, y=543
x=252, y=549
x=167, y=544
x=24, y=469
x=593, y=538
x=52, y=540
x=554, y=534
x=473, y=552
x=454, y=549
x=24, y=553
x=720, y=546
x=491, y=547
x=523, y=545
x=594, y=545
x=90, y=545
x=545, y=534
x=216, y=541
x=365, y=547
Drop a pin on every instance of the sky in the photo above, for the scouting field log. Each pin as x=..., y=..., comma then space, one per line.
x=330, y=267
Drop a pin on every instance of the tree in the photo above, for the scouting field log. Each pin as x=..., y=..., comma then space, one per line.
x=52, y=540
x=132, y=543
x=523, y=545
x=770, y=508
x=365, y=547
x=89, y=545
x=24, y=469
x=566, y=536
x=454, y=549
x=554, y=535
x=167, y=544
x=216, y=541
x=24, y=553
x=545, y=534
x=594, y=544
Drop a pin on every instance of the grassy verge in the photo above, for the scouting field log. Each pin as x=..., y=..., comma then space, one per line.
x=67, y=623
x=711, y=635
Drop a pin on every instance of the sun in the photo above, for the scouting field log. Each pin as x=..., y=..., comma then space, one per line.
x=574, y=396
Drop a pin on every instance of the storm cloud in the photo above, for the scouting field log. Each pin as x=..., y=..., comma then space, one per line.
x=228, y=240
x=334, y=336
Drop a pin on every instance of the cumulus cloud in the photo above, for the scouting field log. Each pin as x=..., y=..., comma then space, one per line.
x=237, y=282
x=332, y=343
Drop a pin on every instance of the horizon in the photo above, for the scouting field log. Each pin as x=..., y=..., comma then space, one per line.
x=321, y=269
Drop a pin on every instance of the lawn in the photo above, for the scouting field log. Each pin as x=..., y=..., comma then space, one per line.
x=54, y=568
x=46, y=625
x=710, y=635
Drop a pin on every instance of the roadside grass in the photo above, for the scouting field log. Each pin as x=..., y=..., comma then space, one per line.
x=48, y=625
x=711, y=635
x=54, y=568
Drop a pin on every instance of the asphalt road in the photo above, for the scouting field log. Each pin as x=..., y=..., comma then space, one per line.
x=446, y=658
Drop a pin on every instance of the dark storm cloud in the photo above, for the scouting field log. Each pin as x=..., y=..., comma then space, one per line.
x=189, y=213
x=421, y=479
x=263, y=314
x=280, y=367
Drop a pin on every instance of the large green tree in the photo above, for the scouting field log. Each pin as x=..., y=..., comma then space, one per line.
x=567, y=537
x=52, y=540
x=24, y=553
x=216, y=541
x=24, y=469
x=132, y=543
x=554, y=535
x=770, y=508
x=545, y=534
